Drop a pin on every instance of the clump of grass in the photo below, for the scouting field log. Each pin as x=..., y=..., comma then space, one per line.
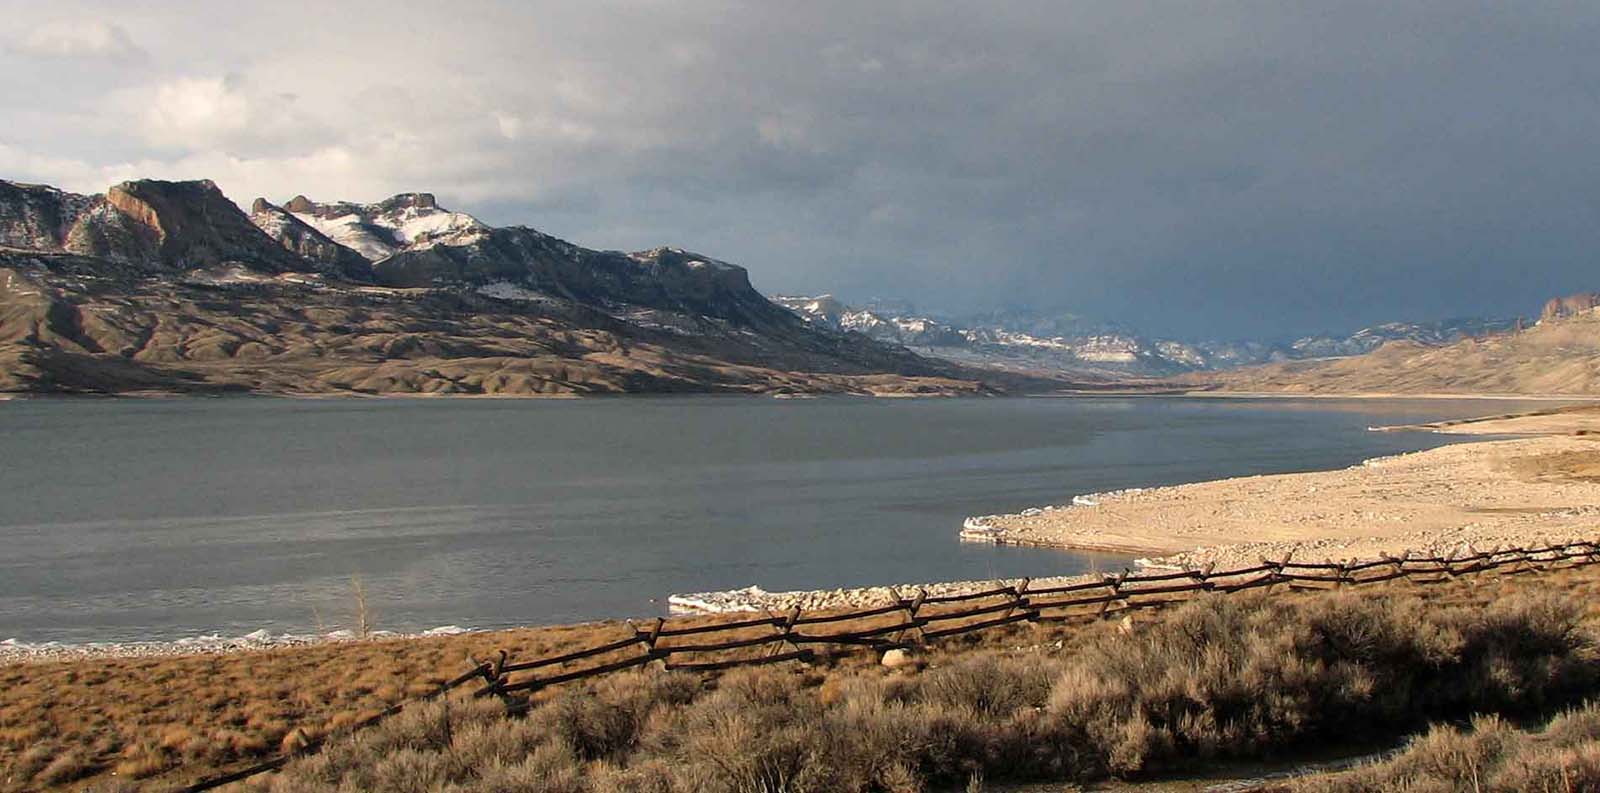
x=1221, y=677
x=68, y=766
x=1491, y=757
x=142, y=760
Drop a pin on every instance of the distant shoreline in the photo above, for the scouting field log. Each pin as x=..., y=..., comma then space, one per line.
x=1383, y=506
x=1536, y=486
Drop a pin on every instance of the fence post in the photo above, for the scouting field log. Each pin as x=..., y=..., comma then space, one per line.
x=649, y=640
x=911, y=610
x=1018, y=598
x=493, y=678
x=1115, y=584
x=1277, y=570
x=785, y=630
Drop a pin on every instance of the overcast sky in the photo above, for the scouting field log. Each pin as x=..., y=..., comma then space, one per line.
x=1198, y=169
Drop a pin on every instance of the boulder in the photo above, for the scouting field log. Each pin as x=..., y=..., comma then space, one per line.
x=898, y=658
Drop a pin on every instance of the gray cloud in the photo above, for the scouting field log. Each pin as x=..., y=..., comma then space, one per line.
x=1231, y=168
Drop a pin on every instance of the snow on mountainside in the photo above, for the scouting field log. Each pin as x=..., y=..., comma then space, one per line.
x=1016, y=342
x=1070, y=343
x=378, y=231
x=1428, y=334
x=168, y=286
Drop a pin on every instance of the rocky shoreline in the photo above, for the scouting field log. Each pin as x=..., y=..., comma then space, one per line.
x=755, y=598
x=17, y=651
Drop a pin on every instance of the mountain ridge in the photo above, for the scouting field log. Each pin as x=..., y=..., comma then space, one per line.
x=170, y=286
x=1560, y=355
x=1072, y=344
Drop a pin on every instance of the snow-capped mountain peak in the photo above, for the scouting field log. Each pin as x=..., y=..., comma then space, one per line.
x=408, y=221
x=1028, y=340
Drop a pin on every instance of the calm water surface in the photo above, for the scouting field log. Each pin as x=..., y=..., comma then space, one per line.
x=149, y=519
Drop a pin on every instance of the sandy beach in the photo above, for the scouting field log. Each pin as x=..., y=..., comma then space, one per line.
x=1521, y=491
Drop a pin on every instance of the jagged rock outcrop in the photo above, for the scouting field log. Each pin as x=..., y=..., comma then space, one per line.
x=193, y=225
x=1559, y=307
x=42, y=218
x=299, y=238
x=168, y=286
x=408, y=221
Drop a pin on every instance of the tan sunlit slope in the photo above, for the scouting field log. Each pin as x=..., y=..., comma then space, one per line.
x=1557, y=356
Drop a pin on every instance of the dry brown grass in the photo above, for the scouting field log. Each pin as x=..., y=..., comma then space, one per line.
x=177, y=718
x=1223, y=677
x=1491, y=757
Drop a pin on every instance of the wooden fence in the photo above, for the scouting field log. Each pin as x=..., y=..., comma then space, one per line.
x=680, y=644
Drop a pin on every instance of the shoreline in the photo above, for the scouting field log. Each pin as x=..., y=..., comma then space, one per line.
x=1390, y=395
x=1536, y=488
x=1065, y=393
x=14, y=650
x=1532, y=482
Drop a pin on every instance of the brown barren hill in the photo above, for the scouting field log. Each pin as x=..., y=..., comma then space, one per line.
x=168, y=287
x=1559, y=356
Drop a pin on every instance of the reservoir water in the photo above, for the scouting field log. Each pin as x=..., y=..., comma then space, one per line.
x=159, y=519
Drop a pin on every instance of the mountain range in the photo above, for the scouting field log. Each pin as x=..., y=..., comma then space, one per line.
x=1073, y=345
x=1559, y=355
x=169, y=287
x=157, y=286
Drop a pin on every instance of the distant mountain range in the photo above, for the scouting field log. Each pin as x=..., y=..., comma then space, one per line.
x=1559, y=355
x=169, y=286
x=1032, y=341
x=158, y=286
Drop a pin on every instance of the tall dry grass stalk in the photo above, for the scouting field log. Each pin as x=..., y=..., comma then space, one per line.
x=362, y=614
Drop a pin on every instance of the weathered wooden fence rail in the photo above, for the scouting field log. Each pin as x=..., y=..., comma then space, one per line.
x=793, y=636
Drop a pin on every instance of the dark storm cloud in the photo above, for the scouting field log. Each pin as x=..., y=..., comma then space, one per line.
x=1198, y=169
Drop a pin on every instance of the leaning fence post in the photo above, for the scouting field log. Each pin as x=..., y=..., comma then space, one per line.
x=1114, y=583
x=493, y=679
x=1276, y=572
x=649, y=640
x=911, y=610
x=1018, y=596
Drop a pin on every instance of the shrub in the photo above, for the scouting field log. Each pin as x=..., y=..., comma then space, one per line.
x=1232, y=676
x=1491, y=757
x=1219, y=677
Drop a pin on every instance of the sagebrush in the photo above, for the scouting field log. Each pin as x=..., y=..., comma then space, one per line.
x=1221, y=677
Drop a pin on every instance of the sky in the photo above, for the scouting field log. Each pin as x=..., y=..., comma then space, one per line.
x=1201, y=170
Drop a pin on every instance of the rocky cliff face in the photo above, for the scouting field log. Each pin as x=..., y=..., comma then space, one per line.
x=193, y=225
x=41, y=218
x=405, y=222
x=169, y=286
x=308, y=243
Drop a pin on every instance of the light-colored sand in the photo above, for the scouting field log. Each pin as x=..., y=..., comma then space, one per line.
x=1578, y=420
x=1519, y=492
